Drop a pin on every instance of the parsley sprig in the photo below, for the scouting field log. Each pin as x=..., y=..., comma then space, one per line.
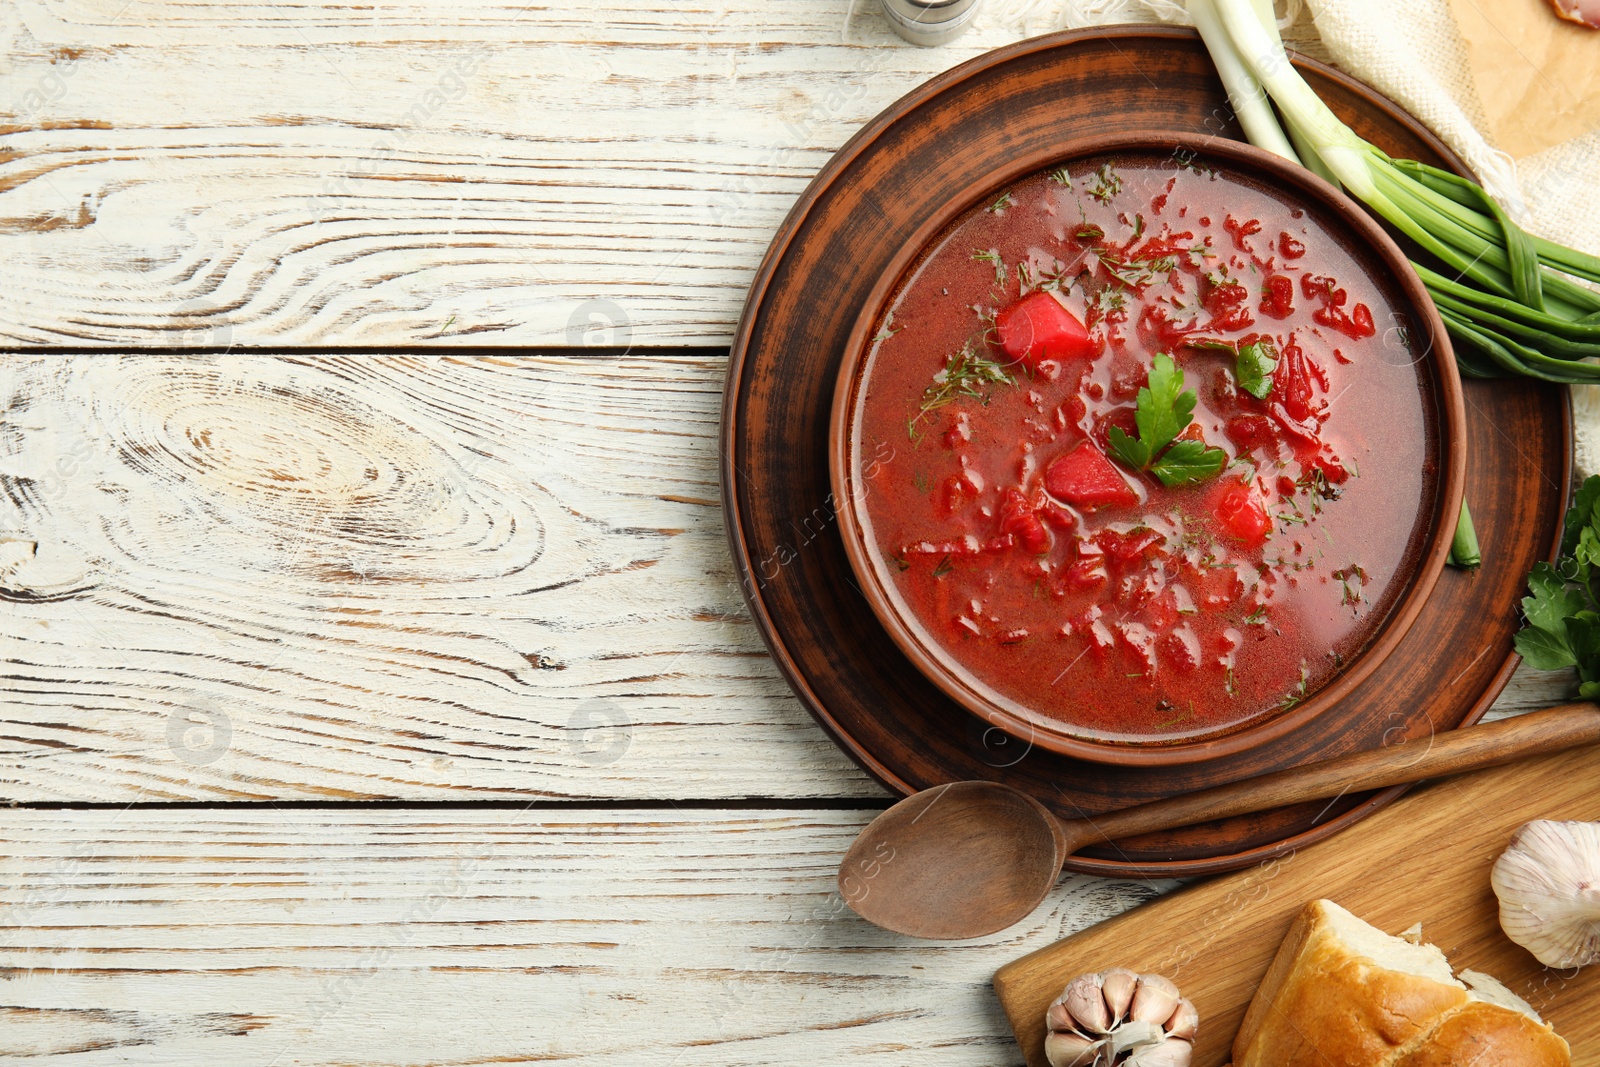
x=1165, y=410
x=1563, y=625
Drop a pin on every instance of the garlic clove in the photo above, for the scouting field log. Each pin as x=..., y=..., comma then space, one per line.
x=1132, y=1036
x=1154, y=999
x=1118, y=985
x=1548, y=882
x=1087, y=1026
x=1058, y=1017
x=1173, y=1052
x=1087, y=1003
x=1184, y=1021
x=1071, y=1050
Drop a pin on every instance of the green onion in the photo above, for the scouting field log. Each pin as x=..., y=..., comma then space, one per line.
x=1509, y=300
x=1464, y=548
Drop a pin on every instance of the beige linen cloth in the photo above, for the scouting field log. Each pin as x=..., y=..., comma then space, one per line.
x=1507, y=85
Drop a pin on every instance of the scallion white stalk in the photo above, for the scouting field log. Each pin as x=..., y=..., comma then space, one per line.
x=1249, y=99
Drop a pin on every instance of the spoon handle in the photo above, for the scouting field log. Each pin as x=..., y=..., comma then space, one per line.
x=1475, y=747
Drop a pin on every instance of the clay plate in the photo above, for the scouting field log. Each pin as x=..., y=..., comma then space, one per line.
x=858, y=213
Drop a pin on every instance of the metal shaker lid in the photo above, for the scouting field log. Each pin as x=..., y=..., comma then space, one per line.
x=929, y=22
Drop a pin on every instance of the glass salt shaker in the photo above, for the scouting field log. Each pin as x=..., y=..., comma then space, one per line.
x=929, y=22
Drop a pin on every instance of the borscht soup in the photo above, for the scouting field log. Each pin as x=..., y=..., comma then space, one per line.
x=1141, y=451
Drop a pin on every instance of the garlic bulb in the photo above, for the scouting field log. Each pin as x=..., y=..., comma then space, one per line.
x=1120, y=1018
x=1548, y=882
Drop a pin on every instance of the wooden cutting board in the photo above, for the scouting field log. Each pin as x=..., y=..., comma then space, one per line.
x=1426, y=858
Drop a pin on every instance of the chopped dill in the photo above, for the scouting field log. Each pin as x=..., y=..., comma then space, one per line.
x=1061, y=176
x=1107, y=184
x=1316, y=481
x=944, y=567
x=1138, y=273
x=1351, y=578
x=1298, y=694
x=1109, y=300
x=1190, y=161
x=1000, y=205
x=1257, y=617
x=964, y=374
x=991, y=257
x=1056, y=279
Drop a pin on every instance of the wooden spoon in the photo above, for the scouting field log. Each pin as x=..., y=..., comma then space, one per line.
x=969, y=858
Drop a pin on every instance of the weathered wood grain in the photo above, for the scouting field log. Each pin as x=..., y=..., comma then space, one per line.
x=381, y=937
x=427, y=172
x=416, y=577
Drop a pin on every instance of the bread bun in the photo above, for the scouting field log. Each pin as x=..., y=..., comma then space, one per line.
x=1341, y=993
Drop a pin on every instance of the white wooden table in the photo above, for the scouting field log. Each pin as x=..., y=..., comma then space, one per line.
x=379, y=691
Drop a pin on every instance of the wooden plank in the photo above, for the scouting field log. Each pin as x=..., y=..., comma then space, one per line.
x=1424, y=859
x=663, y=938
x=431, y=173
x=409, y=577
x=419, y=577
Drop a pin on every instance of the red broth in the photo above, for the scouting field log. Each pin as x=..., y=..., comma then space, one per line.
x=1118, y=606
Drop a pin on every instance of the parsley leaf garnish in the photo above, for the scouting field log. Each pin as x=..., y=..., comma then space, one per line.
x=1165, y=410
x=1253, y=363
x=1187, y=462
x=1253, y=369
x=1563, y=625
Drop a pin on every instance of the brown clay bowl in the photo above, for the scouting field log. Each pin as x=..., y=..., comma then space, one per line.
x=1412, y=583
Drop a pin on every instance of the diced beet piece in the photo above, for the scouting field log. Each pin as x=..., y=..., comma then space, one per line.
x=956, y=493
x=1241, y=513
x=1056, y=515
x=1277, y=299
x=1137, y=638
x=1224, y=298
x=1214, y=588
x=1180, y=650
x=1252, y=431
x=1324, y=288
x=1038, y=328
x=1085, y=477
x=1333, y=472
x=1017, y=518
x=1122, y=418
x=1127, y=549
x=1084, y=574
x=1241, y=230
x=1229, y=307
x=1161, y=612
x=1291, y=382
